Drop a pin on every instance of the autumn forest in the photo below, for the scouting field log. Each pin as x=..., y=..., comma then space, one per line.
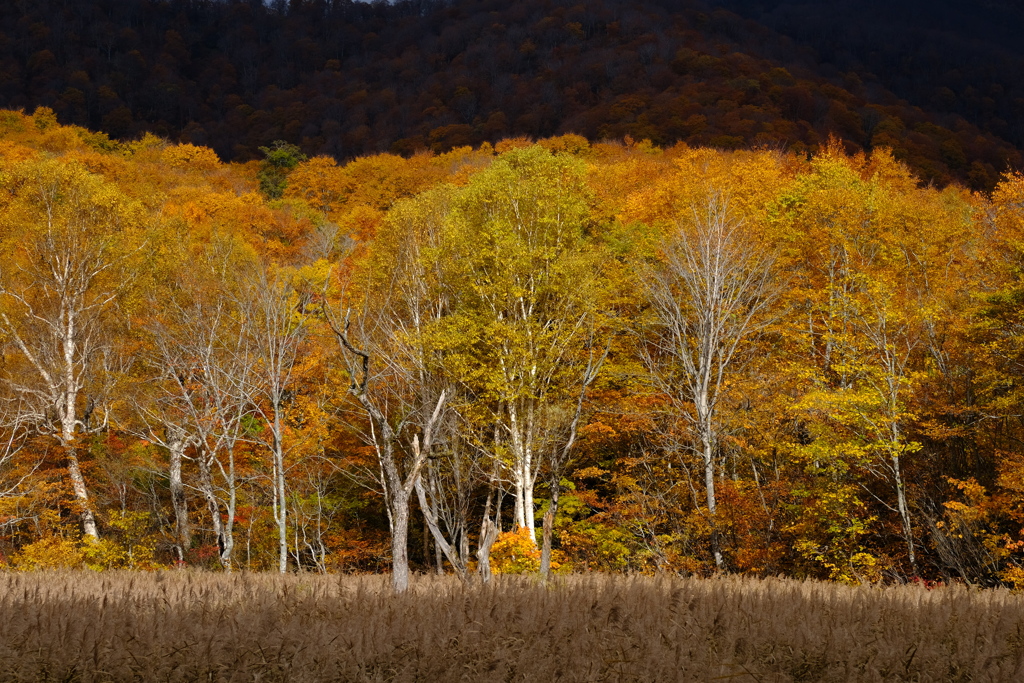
x=478, y=288
x=552, y=356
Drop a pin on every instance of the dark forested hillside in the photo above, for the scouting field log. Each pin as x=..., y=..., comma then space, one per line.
x=953, y=56
x=346, y=78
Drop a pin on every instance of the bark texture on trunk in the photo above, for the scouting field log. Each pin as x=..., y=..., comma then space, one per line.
x=488, y=535
x=279, y=491
x=399, y=514
x=177, y=443
x=81, y=494
x=213, y=506
x=904, y=512
x=441, y=544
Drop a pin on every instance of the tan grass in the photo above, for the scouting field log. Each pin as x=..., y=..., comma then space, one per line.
x=183, y=626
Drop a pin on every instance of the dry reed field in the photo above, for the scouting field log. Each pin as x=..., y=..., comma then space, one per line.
x=183, y=626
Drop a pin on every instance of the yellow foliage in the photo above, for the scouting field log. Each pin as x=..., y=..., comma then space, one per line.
x=566, y=144
x=59, y=139
x=508, y=144
x=1014, y=576
x=134, y=549
x=44, y=118
x=12, y=153
x=190, y=157
x=51, y=552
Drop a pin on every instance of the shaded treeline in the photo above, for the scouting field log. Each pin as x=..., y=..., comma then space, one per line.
x=955, y=57
x=351, y=78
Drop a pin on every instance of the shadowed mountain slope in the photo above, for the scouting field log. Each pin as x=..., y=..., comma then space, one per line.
x=346, y=78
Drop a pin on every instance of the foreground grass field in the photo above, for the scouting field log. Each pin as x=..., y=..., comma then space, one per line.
x=184, y=626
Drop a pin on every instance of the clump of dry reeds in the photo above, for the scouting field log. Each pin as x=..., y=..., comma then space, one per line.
x=190, y=626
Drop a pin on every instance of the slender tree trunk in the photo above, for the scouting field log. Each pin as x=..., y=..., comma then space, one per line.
x=904, y=512
x=438, y=560
x=441, y=544
x=227, y=554
x=213, y=504
x=709, y=485
x=549, y=526
x=279, y=492
x=705, y=427
x=464, y=539
x=519, y=509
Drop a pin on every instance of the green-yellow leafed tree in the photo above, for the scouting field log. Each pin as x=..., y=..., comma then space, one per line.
x=527, y=321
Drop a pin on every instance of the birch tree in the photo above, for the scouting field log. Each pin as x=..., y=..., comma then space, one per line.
x=200, y=362
x=13, y=435
x=527, y=277
x=390, y=361
x=67, y=237
x=402, y=439
x=710, y=295
x=274, y=325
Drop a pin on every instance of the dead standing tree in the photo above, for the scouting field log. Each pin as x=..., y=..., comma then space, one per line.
x=394, y=373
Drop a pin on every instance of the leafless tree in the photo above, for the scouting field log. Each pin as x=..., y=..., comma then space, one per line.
x=401, y=433
x=710, y=295
x=271, y=314
x=13, y=435
x=445, y=493
x=200, y=361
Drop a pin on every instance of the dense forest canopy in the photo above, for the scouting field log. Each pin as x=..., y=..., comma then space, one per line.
x=479, y=287
x=554, y=355
x=346, y=78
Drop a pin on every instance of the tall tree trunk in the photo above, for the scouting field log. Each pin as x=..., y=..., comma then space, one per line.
x=518, y=468
x=549, y=526
x=81, y=494
x=279, y=491
x=441, y=544
x=69, y=419
x=709, y=484
x=438, y=560
x=213, y=505
x=228, y=548
x=529, y=479
x=706, y=433
x=904, y=512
